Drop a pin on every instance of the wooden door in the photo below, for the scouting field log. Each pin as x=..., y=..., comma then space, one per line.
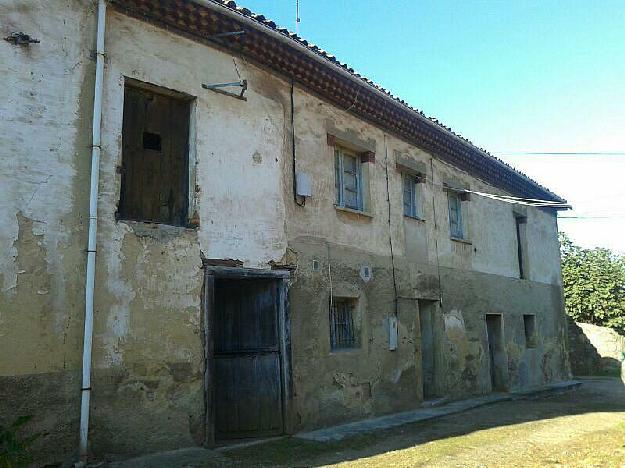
x=247, y=360
x=155, y=173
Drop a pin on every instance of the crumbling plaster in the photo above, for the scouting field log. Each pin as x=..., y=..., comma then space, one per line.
x=45, y=104
x=42, y=101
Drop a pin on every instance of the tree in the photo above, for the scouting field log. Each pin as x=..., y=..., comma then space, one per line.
x=594, y=284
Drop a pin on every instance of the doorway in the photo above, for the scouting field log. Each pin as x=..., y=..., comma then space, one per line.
x=427, y=314
x=246, y=355
x=497, y=352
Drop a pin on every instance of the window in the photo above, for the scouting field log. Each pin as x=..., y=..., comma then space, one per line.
x=529, y=323
x=154, y=170
x=412, y=202
x=520, y=222
x=348, y=179
x=343, y=330
x=456, y=226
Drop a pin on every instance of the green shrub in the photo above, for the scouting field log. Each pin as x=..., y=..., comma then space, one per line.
x=14, y=448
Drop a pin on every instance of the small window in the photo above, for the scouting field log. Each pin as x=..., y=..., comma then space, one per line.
x=520, y=222
x=151, y=141
x=155, y=173
x=412, y=202
x=348, y=179
x=456, y=225
x=343, y=329
x=529, y=323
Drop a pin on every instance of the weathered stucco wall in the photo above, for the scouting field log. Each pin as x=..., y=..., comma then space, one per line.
x=470, y=279
x=45, y=101
x=148, y=351
x=148, y=347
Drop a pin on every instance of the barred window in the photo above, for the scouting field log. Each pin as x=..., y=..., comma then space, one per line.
x=343, y=329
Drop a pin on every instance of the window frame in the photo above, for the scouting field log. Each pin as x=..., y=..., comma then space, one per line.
x=461, y=233
x=349, y=306
x=339, y=174
x=414, y=205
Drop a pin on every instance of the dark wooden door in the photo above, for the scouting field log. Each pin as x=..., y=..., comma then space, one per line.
x=248, y=389
x=155, y=175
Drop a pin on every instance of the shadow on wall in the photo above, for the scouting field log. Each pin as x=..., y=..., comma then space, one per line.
x=594, y=350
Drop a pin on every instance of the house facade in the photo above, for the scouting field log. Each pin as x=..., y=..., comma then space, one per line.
x=281, y=245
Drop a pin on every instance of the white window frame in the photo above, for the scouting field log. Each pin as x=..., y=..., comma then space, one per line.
x=460, y=233
x=339, y=173
x=412, y=197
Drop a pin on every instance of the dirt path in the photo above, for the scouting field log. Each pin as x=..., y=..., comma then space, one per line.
x=581, y=428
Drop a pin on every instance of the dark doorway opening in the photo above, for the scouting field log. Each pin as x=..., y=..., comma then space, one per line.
x=427, y=311
x=247, y=364
x=497, y=352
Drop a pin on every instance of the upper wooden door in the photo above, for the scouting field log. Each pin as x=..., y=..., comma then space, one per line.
x=155, y=136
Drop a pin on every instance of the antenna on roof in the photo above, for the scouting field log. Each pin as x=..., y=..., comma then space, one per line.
x=297, y=18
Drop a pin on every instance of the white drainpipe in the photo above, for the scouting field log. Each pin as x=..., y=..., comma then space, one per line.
x=93, y=227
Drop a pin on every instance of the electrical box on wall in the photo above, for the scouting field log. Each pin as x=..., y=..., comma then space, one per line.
x=392, y=333
x=303, y=184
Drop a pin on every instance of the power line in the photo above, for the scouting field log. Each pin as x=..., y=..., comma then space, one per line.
x=560, y=153
x=537, y=202
x=593, y=217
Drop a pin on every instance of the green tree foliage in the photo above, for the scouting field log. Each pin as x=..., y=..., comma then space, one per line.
x=594, y=285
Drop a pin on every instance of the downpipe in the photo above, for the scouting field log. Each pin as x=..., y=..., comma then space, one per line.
x=93, y=226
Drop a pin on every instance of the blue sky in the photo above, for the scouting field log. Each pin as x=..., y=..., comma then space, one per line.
x=512, y=76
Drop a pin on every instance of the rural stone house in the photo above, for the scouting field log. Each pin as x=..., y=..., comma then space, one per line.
x=281, y=244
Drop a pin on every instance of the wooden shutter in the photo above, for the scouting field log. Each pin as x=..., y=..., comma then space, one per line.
x=155, y=137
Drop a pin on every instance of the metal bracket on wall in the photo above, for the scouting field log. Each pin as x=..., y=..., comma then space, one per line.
x=241, y=83
x=216, y=87
x=20, y=38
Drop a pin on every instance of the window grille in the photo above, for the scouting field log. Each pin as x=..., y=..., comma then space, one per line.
x=343, y=334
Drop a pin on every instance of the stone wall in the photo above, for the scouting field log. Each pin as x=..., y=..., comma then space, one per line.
x=595, y=350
